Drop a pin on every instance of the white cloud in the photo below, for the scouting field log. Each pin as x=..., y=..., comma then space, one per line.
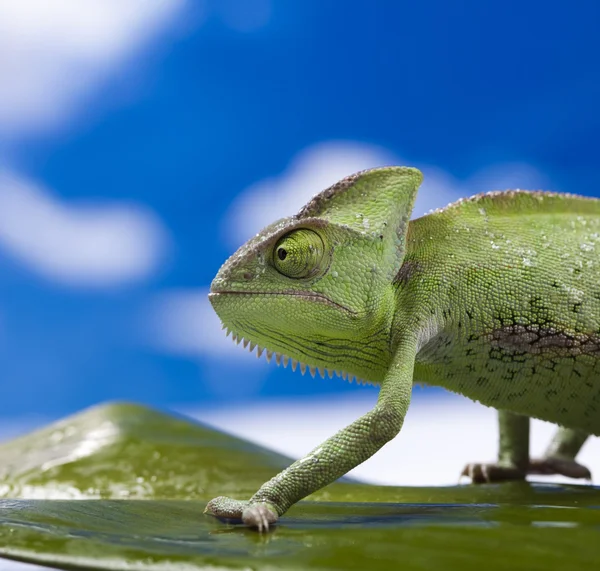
x=82, y=245
x=54, y=53
x=319, y=166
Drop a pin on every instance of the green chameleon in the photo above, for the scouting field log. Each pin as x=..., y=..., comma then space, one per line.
x=496, y=297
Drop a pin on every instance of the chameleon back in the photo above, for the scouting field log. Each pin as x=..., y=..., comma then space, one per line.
x=506, y=287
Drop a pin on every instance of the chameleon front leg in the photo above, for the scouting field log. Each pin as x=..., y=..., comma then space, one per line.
x=335, y=457
x=513, y=457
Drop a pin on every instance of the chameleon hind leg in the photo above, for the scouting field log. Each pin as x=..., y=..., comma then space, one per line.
x=513, y=456
x=559, y=457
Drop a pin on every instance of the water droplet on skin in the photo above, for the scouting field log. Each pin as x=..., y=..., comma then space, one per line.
x=334, y=274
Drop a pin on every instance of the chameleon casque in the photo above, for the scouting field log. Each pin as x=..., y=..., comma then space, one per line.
x=496, y=297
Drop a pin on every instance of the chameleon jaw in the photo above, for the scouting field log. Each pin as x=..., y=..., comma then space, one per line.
x=281, y=359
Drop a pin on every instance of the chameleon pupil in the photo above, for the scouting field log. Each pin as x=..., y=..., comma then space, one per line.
x=282, y=254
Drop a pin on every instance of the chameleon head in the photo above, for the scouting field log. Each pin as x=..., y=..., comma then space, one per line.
x=317, y=288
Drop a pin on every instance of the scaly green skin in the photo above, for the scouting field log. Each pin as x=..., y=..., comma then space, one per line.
x=496, y=297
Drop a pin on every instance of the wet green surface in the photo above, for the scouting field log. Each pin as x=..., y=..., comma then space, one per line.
x=164, y=469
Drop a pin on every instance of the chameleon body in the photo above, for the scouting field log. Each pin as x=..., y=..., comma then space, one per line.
x=496, y=297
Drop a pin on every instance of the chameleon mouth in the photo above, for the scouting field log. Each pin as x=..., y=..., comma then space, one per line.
x=284, y=360
x=306, y=295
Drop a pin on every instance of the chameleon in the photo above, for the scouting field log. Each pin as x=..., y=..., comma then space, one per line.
x=495, y=297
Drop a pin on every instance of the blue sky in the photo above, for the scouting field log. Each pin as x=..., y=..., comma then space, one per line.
x=139, y=146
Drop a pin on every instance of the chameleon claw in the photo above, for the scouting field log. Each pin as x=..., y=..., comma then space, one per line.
x=260, y=517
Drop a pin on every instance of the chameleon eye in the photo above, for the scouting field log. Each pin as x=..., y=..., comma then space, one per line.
x=299, y=254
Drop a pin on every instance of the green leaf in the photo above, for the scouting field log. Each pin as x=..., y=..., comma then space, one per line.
x=165, y=468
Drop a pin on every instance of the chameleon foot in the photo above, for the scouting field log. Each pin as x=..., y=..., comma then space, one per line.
x=259, y=515
x=561, y=466
x=486, y=473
